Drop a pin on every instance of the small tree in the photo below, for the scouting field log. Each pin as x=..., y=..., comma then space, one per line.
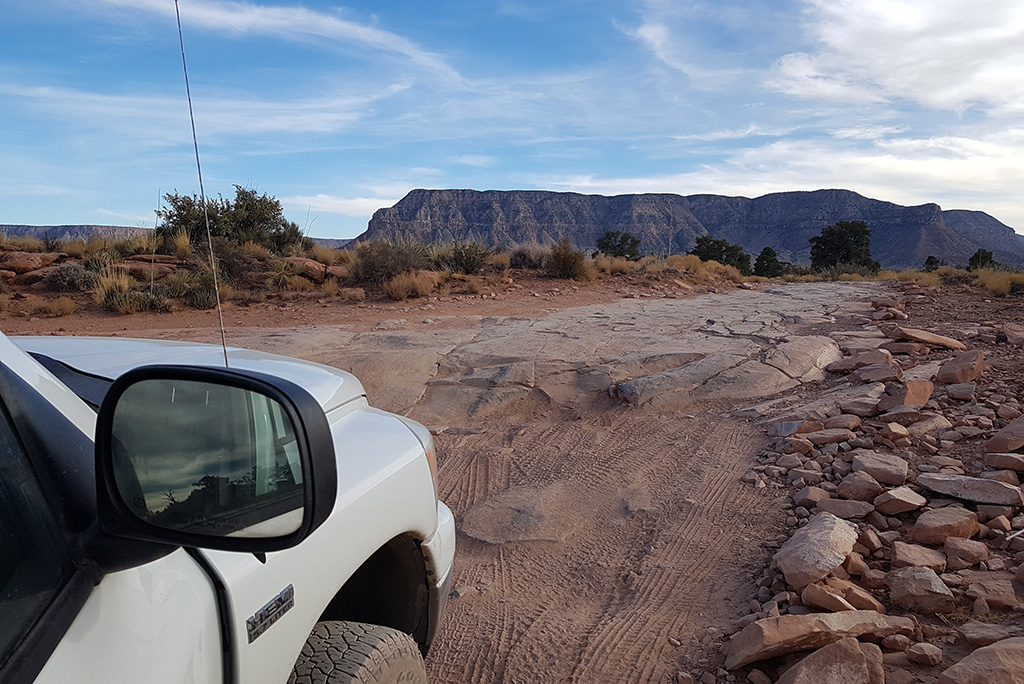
x=619, y=244
x=932, y=263
x=982, y=259
x=708, y=248
x=843, y=243
x=768, y=265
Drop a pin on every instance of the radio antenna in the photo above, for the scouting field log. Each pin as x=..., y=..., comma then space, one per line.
x=202, y=193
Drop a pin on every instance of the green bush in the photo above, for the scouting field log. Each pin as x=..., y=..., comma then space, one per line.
x=982, y=259
x=70, y=277
x=708, y=248
x=202, y=298
x=565, y=262
x=619, y=244
x=527, y=257
x=834, y=271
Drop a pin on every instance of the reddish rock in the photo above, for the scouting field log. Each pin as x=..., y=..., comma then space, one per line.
x=898, y=500
x=928, y=422
x=23, y=262
x=978, y=634
x=976, y=489
x=963, y=367
x=808, y=497
x=924, y=654
x=919, y=589
x=894, y=431
x=933, y=527
x=822, y=437
x=1010, y=438
x=1014, y=333
x=885, y=468
x=905, y=347
x=1002, y=662
x=878, y=373
x=308, y=268
x=843, y=420
x=997, y=592
x=846, y=661
x=816, y=549
x=337, y=271
x=770, y=637
x=845, y=508
x=963, y=553
x=904, y=415
x=925, y=337
x=872, y=357
x=816, y=596
x=860, y=486
x=912, y=555
x=1011, y=461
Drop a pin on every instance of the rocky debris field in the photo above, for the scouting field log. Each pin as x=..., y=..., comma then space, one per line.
x=904, y=559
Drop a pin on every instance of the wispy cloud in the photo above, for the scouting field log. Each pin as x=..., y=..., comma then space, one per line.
x=346, y=206
x=293, y=23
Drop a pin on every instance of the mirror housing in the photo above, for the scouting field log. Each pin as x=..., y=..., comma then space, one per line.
x=213, y=458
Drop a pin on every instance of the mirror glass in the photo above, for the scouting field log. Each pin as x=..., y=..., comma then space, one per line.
x=210, y=459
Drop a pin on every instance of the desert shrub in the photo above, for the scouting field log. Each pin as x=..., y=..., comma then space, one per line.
x=951, y=275
x=622, y=244
x=102, y=258
x=406, y=285
x=325, y=255
x=70, y=277
x=477, y=285
x=501, y=261
x=722, y=251
x=26, y=243
x=613, y=265
x=529, y=256
x=226, y=292
x=685, y=263
x=999, y=283
x=178, y=283
x=352, y=294
x=652, y=265
x=727, y=271
x=281, y=273
x=145, y=243
x=5, y=301
x=379, y=261
x=73, y=248
x=233, y=264
x=297, y=283
x=344, y=257
x=982, y=259
x=180, y=244
x=468, y=258
x=331, y=287
x=202, y=298
x=835, y=271
x=61, y=306
x=563, y=261
x=110, y=283
x=256, y=252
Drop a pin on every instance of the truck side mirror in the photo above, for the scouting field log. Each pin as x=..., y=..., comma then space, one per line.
x=213, y=458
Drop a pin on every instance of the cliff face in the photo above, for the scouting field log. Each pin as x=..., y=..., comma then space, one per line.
x=900, y=236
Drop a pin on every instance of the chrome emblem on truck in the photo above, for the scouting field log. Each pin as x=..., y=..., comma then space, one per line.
x=261, y=621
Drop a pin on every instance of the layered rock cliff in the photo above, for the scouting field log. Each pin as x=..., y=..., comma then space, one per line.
x=665, y=223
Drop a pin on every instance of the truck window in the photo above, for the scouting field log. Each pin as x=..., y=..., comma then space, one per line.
x=33, y=561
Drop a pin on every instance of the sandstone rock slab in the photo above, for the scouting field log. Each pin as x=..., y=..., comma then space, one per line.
x=1001, y=662
x=925, y=337
x=912, y=555
x=816, y=549
x=846, y=661
x=898, y=500
x=963, y=367
x=1010, y=438
x=920, y=589
x=887, y=468
x=976, y=489
x=804, y=358
x=933, y=527
x=770, y=637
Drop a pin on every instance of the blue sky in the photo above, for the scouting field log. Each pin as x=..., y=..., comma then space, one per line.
x=340, y=109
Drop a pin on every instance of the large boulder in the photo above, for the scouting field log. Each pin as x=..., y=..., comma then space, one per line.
x=933, y=527
x=1002, y=662
x=770, y=637
x=907, y=393
x=804, y=358
x=919, y=589
x=23, y=262
x=846, y=661
x=963, y=367
x=816, y=549
x=1010, y=438
x=887, y=468
x=976, y=489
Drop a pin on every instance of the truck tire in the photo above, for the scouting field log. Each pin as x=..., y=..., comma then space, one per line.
x=357, y=653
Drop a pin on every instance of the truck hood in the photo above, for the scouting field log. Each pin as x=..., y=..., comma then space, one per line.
x=109, y=357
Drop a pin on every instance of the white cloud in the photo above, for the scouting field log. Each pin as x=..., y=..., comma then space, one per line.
x=948, y=56
x=359, y=207
x=477, y=160
x=751, y=130
x=293, y=23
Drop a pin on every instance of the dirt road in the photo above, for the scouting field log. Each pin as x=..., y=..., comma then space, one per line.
x=599, y=540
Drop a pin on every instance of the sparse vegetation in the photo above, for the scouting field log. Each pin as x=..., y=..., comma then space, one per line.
x=620, y=244
x=379, y=261
x=724, y=252
x=110, y=283
x=563, y=261
x=530, y=256
x=61, y=306
x=70, y=277
x=408, y=285
x=468, y=258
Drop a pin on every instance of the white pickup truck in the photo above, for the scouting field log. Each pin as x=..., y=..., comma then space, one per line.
x=190, y=523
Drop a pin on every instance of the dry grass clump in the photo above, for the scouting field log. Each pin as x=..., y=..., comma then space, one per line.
x=352, y=294
x=500, y=261
x=146, y=243
x=181, y=245
x=255, y=251
x=468, y=258
x=331, y=287
x=73, y=248
x=297, y=283
x=563, y=261
x=25, y=243
x=226, y=292
x=111, y=282
x=325, y=255
x=686, y=263
x=999, y=283
x=408, y=285
x=61, y=306
x=202, y=298
x=724, y=270
x=380, y=261
x=527, y=256
x=614, y=265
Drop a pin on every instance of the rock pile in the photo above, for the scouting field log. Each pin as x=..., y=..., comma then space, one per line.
x=904, y=503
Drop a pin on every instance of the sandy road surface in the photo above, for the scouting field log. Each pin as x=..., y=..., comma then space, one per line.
x=598, y=541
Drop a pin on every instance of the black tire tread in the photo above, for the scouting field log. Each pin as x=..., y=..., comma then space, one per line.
x=339, y=652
